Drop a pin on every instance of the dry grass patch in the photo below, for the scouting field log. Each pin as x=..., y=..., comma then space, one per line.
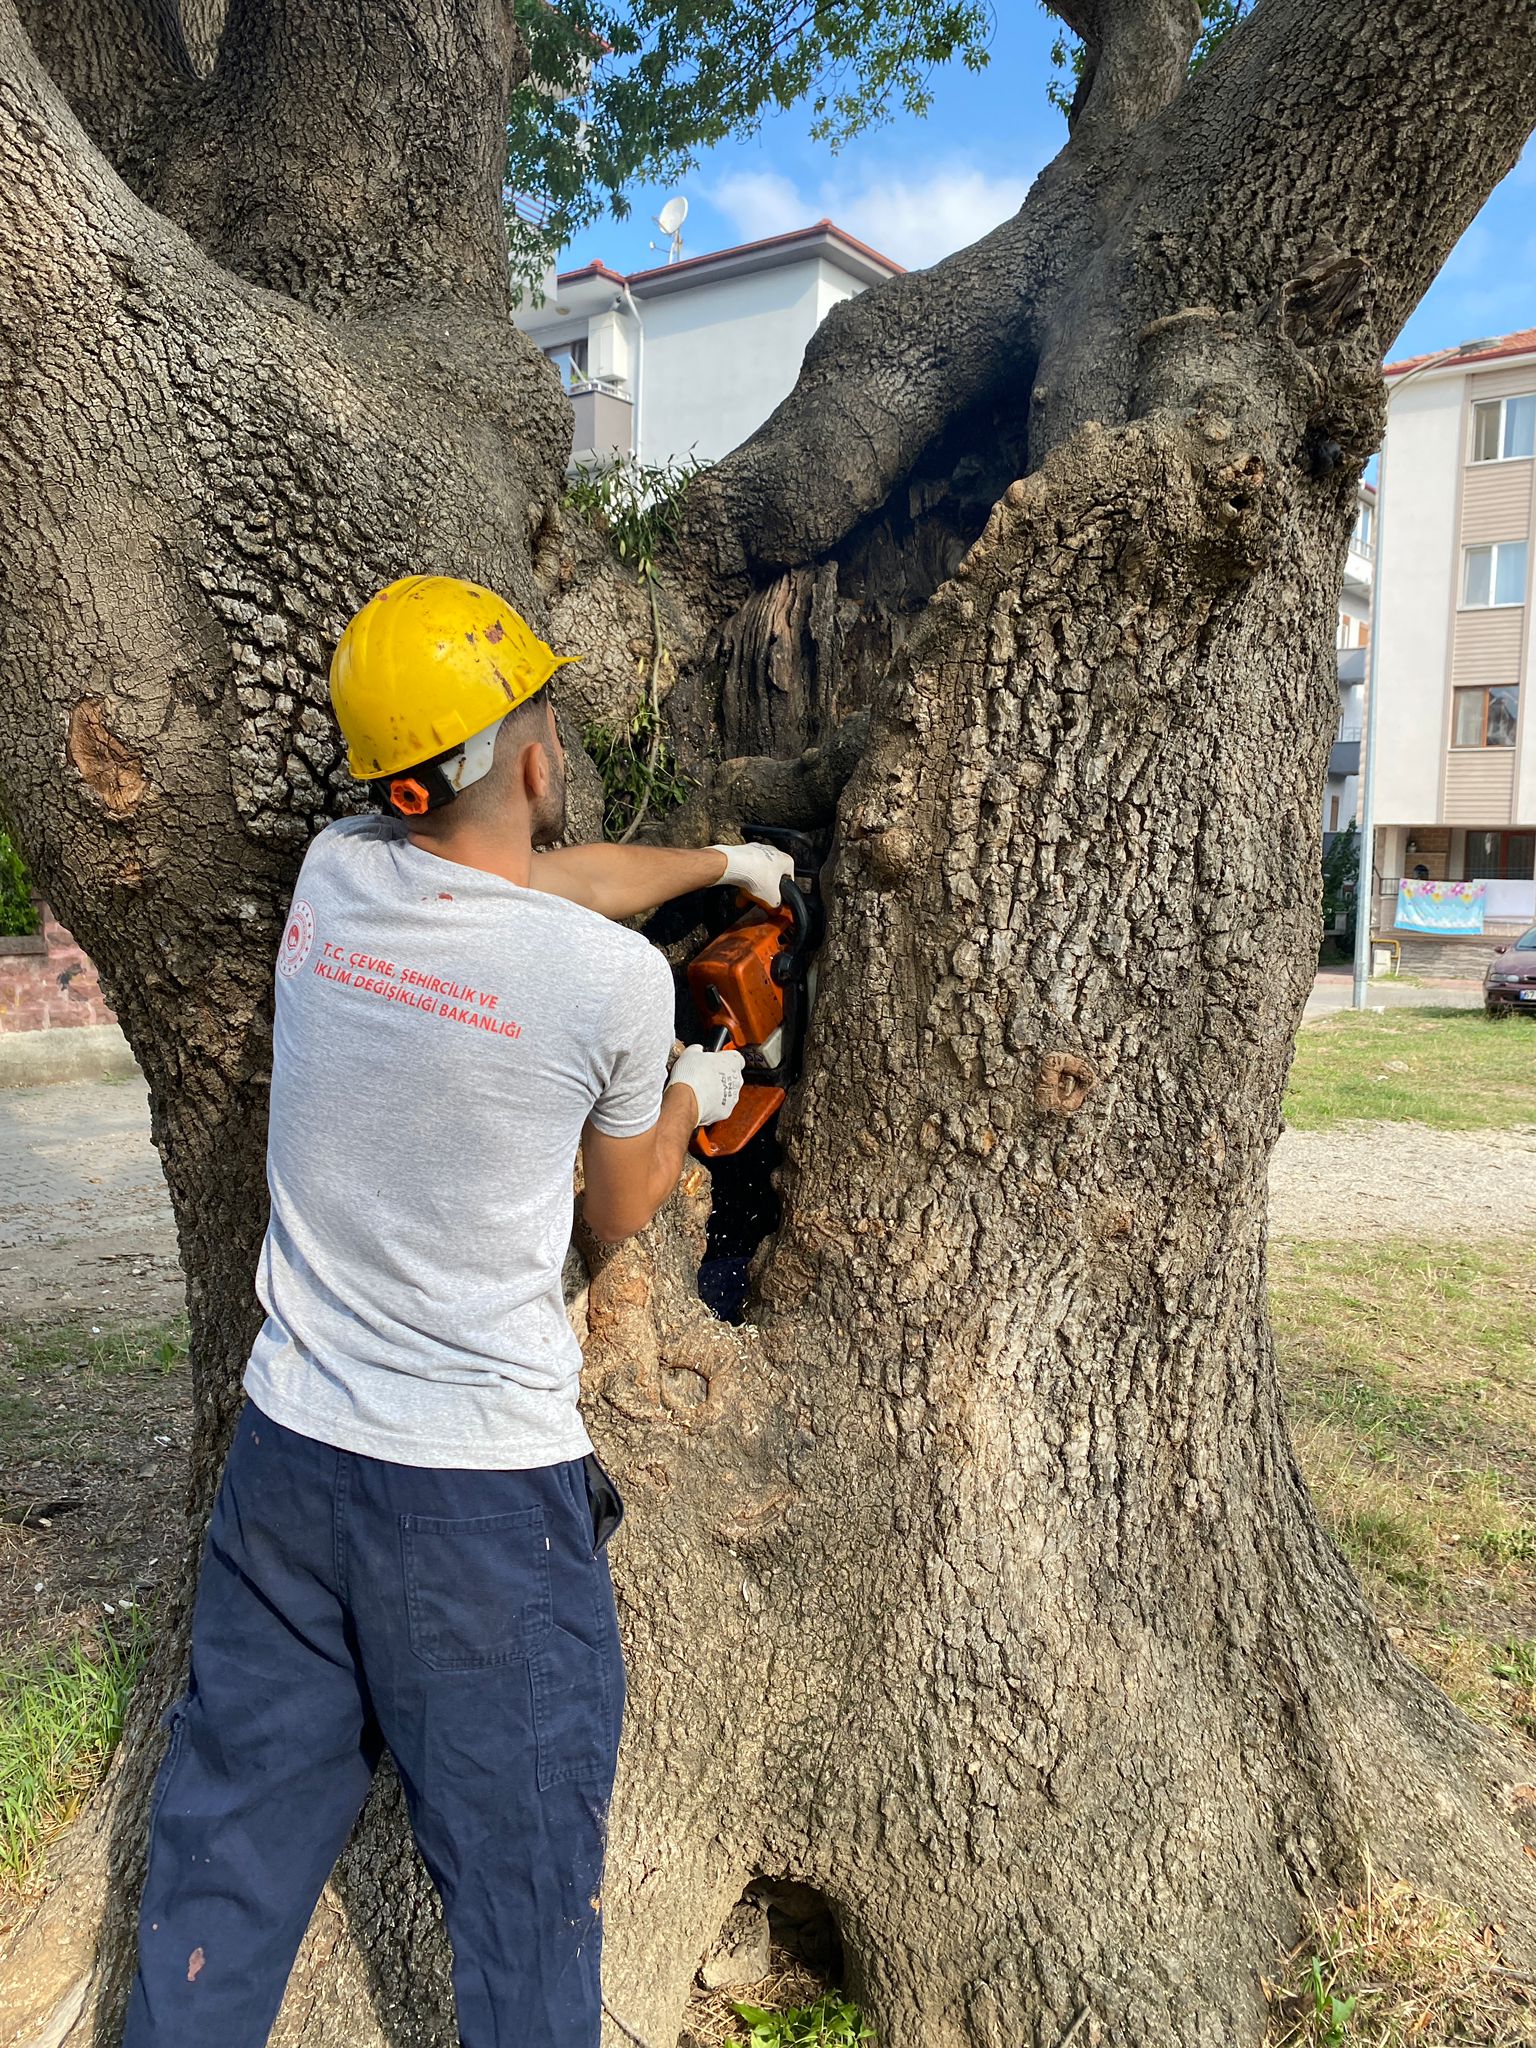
x=790, y=1988
x=1398, y=1970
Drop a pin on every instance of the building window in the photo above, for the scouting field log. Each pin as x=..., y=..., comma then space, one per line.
x=570, y=359
x=1485, y=718
x=1501, y=856
x=1333, y=814
x=1504, y=429
x=1493, y=575
x=1365, y=521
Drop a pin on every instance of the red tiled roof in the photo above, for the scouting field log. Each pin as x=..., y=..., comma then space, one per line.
x=1522, y=343
x=821, y=227
x=591, y=270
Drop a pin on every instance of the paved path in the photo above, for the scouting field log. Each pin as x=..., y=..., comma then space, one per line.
x=1334, y=990
x=85, y=1221
x=1404, y=1180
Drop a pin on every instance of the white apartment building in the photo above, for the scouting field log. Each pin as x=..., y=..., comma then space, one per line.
x=1341, y=796
x=686, y=359
x=1456, y=741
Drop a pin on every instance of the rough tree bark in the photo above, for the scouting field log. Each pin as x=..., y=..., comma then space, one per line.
x=972, y=1581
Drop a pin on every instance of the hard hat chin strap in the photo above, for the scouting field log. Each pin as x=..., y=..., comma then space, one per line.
x=429, y=786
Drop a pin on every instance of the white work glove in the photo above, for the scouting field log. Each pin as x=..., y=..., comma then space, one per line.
x=757, y=869
x=714, y=1077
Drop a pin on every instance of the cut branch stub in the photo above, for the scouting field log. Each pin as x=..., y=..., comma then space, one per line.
x=1331, y=294
x=111, y=771
x=1063, y=1084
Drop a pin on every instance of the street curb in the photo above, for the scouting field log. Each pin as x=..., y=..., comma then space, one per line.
x=78, y=1052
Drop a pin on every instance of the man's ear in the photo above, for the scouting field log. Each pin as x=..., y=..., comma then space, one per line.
x=533, y=771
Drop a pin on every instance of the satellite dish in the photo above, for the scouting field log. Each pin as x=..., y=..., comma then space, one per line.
x=670, y=221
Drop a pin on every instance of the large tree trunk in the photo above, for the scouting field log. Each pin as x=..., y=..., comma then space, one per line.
x=971, y=1582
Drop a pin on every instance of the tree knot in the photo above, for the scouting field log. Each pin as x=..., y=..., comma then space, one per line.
x=1331, y=294
x=1063, y=1083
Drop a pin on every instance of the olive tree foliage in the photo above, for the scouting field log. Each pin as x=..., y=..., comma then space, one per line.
x=972, y=1581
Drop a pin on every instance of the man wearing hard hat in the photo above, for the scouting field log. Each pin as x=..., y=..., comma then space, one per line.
x=407, y=1550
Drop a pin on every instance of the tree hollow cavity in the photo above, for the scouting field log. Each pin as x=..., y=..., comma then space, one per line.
x=779, y=1947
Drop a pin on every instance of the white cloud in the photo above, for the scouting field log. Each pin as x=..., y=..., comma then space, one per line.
x=761, y=203
x=915, y=220
x=919, y=220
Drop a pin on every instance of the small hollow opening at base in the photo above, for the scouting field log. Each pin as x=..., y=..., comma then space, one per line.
x=779, y=1950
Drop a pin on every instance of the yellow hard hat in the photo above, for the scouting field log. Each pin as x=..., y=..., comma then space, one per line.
x=426, y=665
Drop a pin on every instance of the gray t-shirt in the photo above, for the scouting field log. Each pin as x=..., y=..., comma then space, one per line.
x=441, y=1038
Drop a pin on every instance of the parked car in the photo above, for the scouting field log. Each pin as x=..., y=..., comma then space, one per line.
x=1509, y=979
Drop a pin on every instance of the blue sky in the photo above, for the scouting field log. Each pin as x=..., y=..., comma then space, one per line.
x=918, y=188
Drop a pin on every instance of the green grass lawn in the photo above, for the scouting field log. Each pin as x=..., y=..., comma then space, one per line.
x=1453, y=1069
x=91, y=1480
x=1410, y=1376
x=61, y=1714
x=1410, y=1379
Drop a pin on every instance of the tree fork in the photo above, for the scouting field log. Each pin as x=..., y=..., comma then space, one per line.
x=1217, y=198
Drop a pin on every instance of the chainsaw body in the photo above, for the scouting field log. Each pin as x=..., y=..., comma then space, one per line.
x=749, y=988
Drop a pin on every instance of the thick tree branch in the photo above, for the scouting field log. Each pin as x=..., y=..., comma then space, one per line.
x=1378, y=130
x=1320, y=170
x=350, y=154
x=119, y=63
x=1135, y=58
x=202, y=23
x=883, y=376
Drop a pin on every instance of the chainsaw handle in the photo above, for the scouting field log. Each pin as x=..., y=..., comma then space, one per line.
x=786, y=964
x=719, y=1040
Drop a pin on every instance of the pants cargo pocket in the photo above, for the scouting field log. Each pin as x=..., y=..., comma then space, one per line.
x=476, y=1590
x=578, y=1693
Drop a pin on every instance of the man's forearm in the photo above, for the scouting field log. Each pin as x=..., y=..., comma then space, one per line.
x=625, y=881
x=632, y=1202
x=675, y=1127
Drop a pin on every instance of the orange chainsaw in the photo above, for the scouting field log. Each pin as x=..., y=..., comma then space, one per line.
x=751, y=986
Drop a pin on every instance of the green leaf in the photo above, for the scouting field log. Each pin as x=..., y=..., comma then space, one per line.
x=18, y=912
x=677, y=76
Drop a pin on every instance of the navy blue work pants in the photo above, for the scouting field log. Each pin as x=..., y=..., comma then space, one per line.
x=464, y=1621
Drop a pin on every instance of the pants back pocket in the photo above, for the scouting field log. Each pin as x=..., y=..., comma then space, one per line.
x=477, y=1590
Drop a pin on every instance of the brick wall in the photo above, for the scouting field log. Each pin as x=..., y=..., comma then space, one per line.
x=46, y=982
